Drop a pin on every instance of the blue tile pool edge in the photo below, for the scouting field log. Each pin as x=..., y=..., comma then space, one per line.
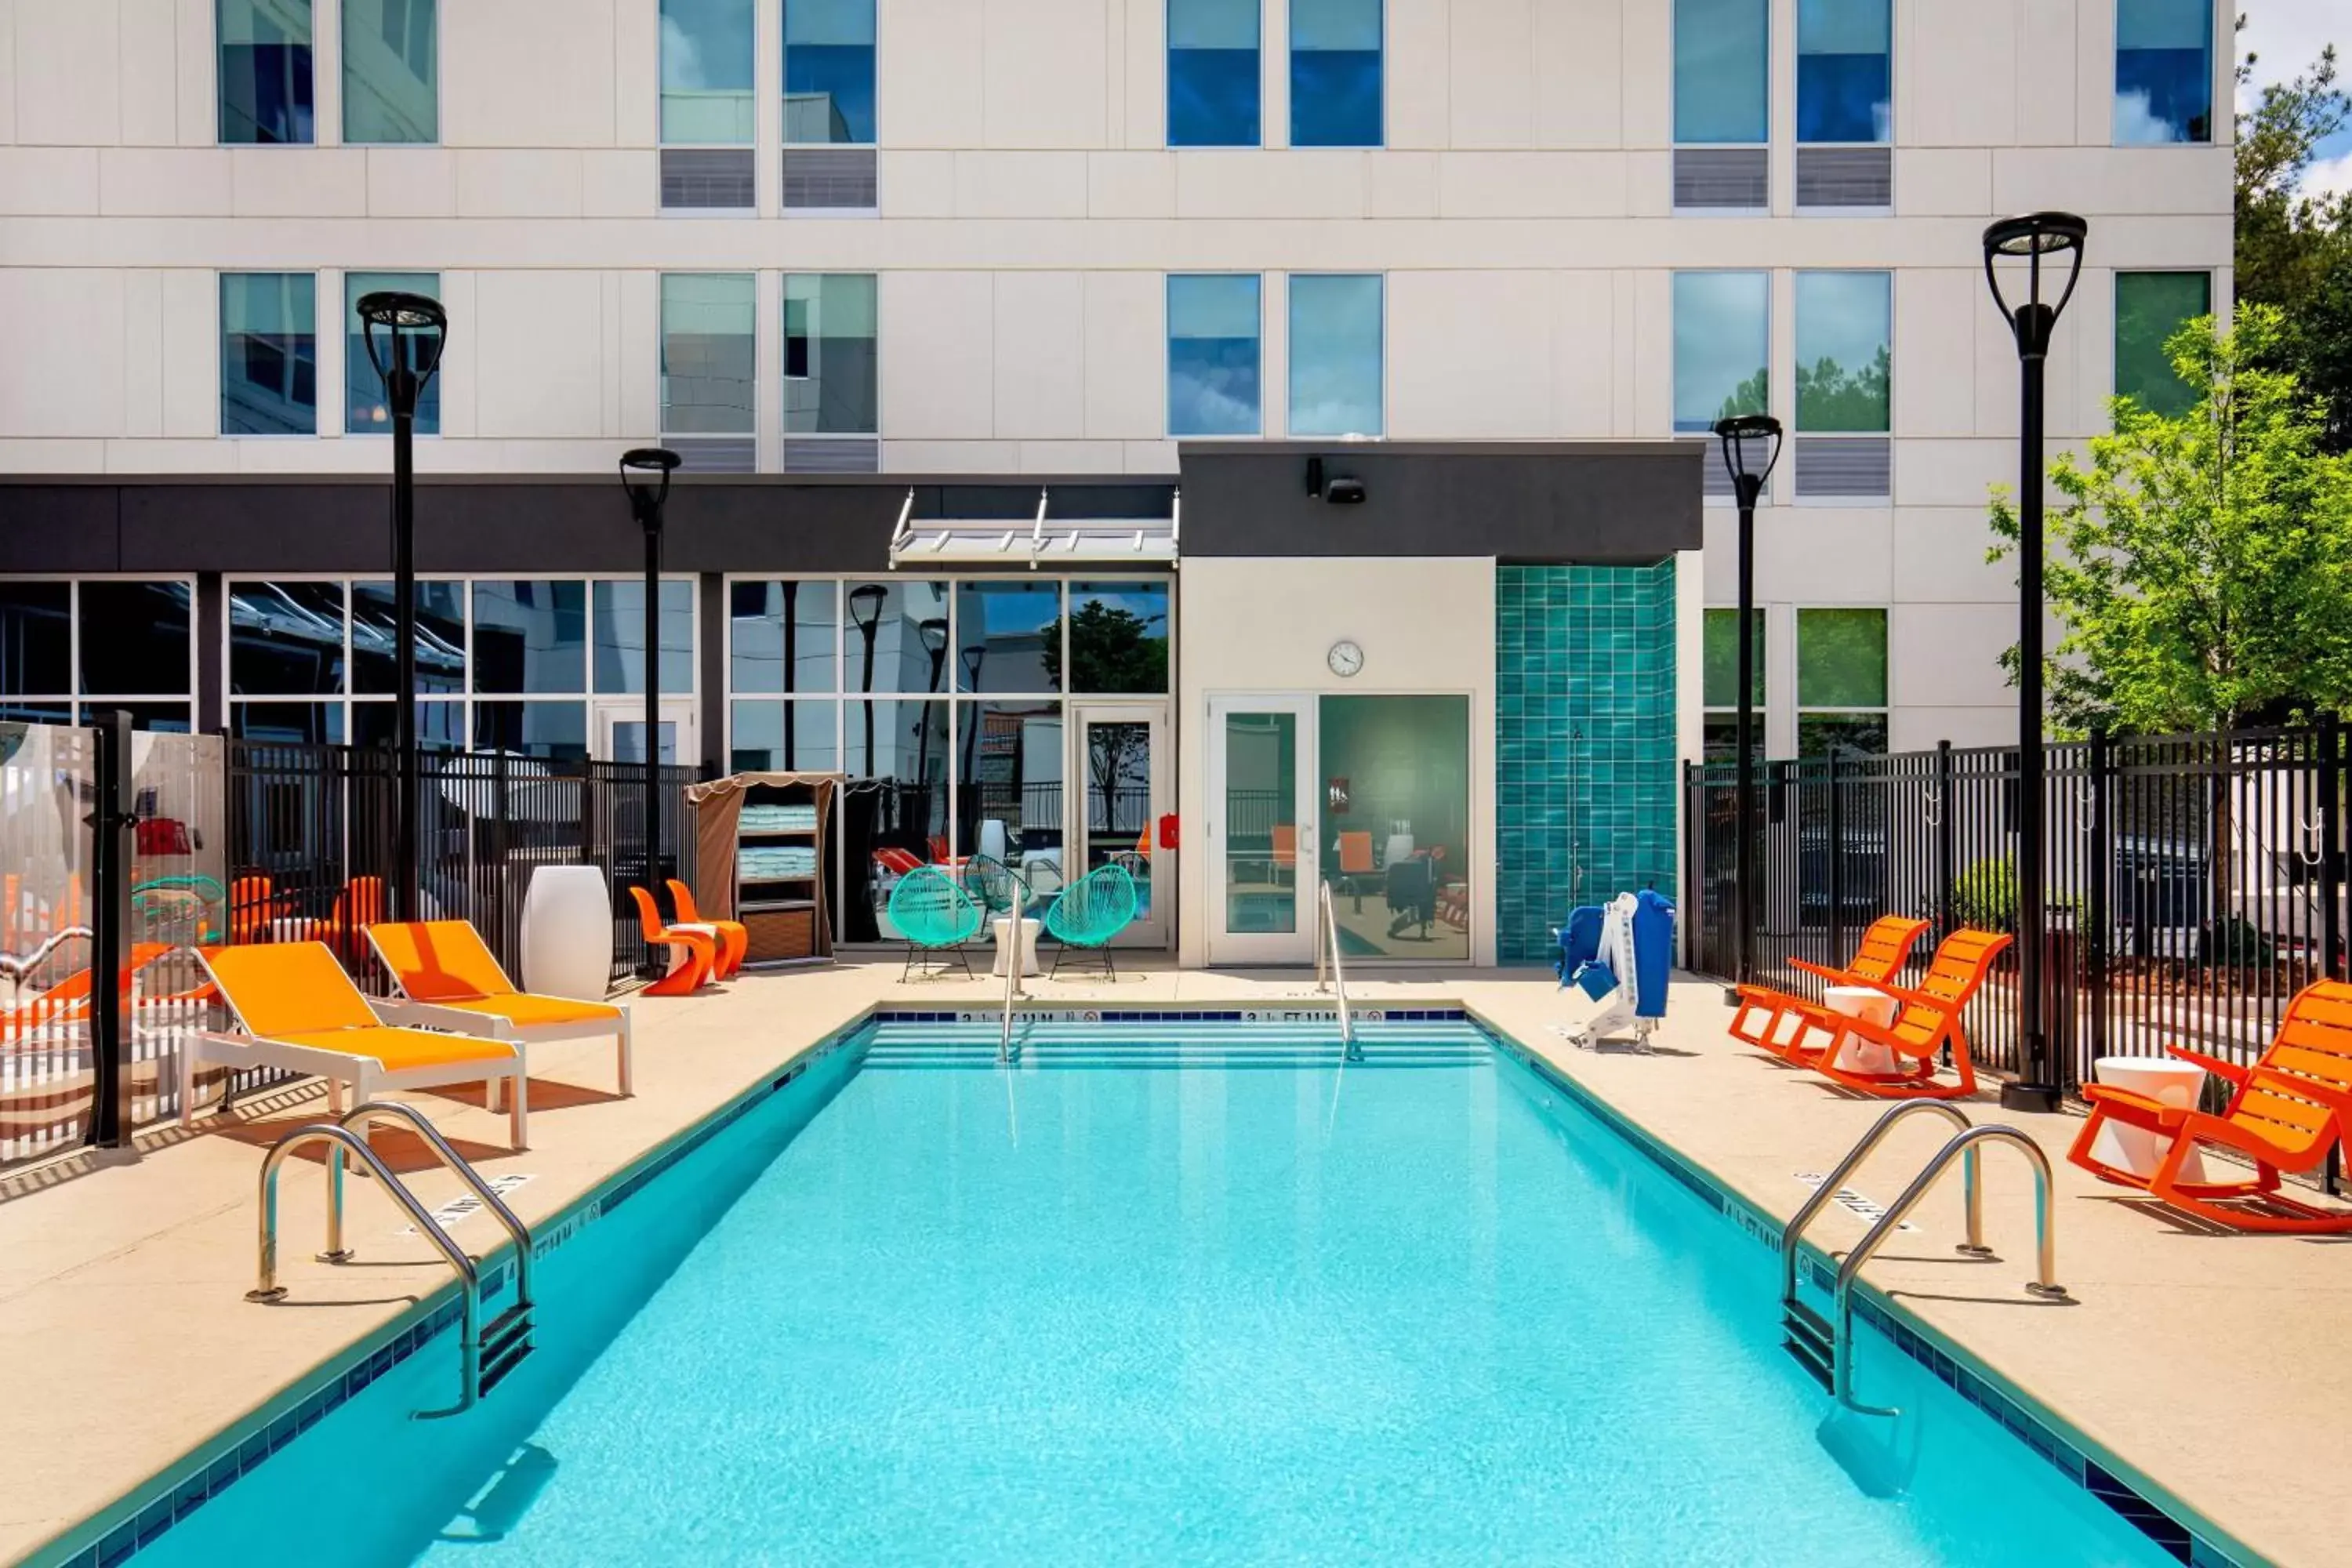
x=145, y=1513
x=2172, y=1525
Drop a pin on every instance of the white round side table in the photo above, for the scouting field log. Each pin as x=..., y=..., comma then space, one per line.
x=567, y=934
x=1001, y=927
x=2167, y=1081
x=1872, y=1006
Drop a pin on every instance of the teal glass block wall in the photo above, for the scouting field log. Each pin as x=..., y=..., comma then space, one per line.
x=1584, y=783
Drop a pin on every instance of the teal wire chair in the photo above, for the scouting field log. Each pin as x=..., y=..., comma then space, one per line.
x=1090, y=912
x=934, y=915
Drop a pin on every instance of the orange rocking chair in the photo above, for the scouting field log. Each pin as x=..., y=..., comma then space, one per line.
x=734, y=937
x=2290, y=1110
x=1927, y=1021
x=1884, y=949
x=699, y=950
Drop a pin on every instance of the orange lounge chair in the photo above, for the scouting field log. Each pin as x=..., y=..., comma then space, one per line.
x=68, y=1001
x=2289, y=1108
x=1927, y=1020
x=734, y=937
x=697, y=949
x=450, y=979
x=1884, y=949
x=301, y=1012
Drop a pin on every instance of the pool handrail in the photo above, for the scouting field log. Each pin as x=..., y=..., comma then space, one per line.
x=1793, y=1232
x=2045, y=1235
x=357, y=1120
x=1012, y=956
x=470, y=1279
x=1327, y=946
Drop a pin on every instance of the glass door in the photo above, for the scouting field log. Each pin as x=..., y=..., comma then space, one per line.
x=1120, y=762
x=1260, y=834
x=620, y=730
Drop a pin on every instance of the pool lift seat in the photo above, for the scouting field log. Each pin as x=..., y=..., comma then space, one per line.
x=485, y=1355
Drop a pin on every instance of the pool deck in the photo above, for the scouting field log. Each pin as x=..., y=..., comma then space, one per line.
x=2213, y=1366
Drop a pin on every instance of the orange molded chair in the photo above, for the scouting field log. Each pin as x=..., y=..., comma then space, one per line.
x=301, y=1012
x=734, y=938
x=1927, y=1021
x=1884, y=949
x=1285, y=849
x=697, y=949
x=252, y=907
x=2289, y=1108
x=360, y=905
x=450, y=979
x=1355, y=863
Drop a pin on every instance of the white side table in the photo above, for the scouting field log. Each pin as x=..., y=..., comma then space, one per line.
x=1872, y=1006
x=567, y=934
x=2167, y=1081
x=1001, y=926
x=680, y=954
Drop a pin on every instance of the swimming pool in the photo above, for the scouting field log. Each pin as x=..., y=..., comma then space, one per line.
x=1168, y=1292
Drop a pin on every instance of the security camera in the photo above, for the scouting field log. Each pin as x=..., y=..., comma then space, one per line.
x=1344, y=492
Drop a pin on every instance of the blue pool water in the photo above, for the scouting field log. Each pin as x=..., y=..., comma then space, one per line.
x=1197, y=1297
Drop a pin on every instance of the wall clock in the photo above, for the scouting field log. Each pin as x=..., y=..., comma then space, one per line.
x=1345, y=657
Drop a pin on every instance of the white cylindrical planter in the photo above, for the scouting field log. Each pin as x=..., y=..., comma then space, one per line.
x=567, y=934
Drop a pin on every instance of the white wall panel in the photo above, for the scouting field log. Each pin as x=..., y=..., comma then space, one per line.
x=150, y=71
x=1576, y=50
x=1584, y=353
x=531, y=73
x=1131, y=185
x=1021, y=185
x=63, y=374
x=412, y=182
x=937, y=356
x=310, y=182
x=1490, y=55
x=1458, y=359
x=143, y=352
x=1039, y=62
x=541, y=367
x=1039, y=356
x=1419, y=86
x=48, y=181
x=1960, y=78
x=68, y=80
x=191, y=350
x=1127, y=356
x=928, y=87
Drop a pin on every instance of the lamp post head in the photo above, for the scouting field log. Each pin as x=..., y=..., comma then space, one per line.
x=1751, y=448
x=404, y=335
x=934, y=633
x=2032, y=238
x=647, y=498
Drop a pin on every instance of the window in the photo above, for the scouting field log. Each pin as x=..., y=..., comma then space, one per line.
x=2150, y=307
x=2164, y=71
x=269, y=373
x=1841, y=681
x=1335, y=73
x=1722, y=347
x=620, y=637
x=828, y=71
x=1719, y=685
x=831, y=387
x=1844, y=359
x=706, y=365
x=1722, y=90
x=705, y=73
x=1213, y=354
x=116, y=644
x=392, y=73
x=943, y=702
x=1212, y=73
x=265, y=70
x=530, y=637
x=1394, y=828
x=1335, y=354
x=365, y=413
x=1844, y=71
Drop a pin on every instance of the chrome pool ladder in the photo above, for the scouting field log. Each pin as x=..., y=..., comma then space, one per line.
x=484, y=1356
x=1331, y=974
x=1824, y=1346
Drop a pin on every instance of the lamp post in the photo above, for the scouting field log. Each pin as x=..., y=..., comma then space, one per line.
x=648, y=500
x=2031, y=240
x=1741, y=438
x=934, y=633
x=403, y=334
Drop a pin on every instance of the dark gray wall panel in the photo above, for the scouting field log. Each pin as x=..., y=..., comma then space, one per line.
x=59, y=528
x=1536, y=503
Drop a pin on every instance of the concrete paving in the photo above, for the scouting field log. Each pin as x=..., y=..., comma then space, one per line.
x=2211, y=1366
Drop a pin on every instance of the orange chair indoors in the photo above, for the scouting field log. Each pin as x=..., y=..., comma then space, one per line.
x=699, y=950
x=1927, y=1020
x=1884, y=949
x=1285, y=849
x=734, y=937
x=2289, y=1111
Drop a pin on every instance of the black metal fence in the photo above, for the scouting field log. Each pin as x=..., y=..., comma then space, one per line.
x=2194, y=883
x=311, y=841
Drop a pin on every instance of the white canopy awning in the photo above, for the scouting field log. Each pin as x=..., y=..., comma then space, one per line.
x=1043, y=539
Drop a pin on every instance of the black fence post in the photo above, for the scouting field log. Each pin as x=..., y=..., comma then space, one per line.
x=110, y=822
x=2102, y=876
x=2331, y=883
x=1946, y=808
x=1836, y=846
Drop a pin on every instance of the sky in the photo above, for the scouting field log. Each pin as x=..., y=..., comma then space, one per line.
x=2288, y=35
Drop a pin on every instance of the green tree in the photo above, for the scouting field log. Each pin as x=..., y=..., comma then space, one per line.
x=1753, y=395
x=2200, y=567
x=1112, y=650
x=2293, y=251
x=1831, y=398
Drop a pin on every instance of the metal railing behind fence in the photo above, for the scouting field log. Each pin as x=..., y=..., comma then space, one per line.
x=2193, y=883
